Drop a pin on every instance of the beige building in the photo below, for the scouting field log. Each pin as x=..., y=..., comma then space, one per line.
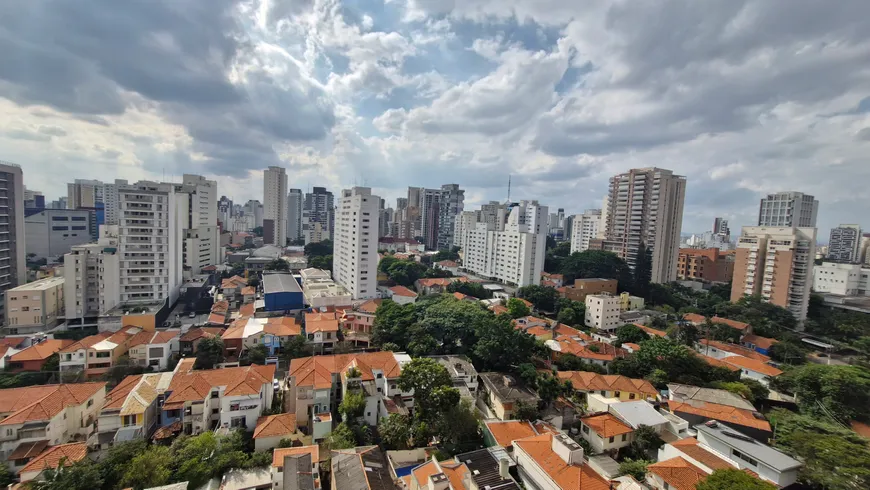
x=645, y=205
x=92, y=273
x=602, y=311
x=35, y=306
x=777, y=264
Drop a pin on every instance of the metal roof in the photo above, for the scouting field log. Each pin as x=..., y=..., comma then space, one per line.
x=483, y=466
x=684, y=393
x=638, y=413
x=748, y=446
x=280, y=283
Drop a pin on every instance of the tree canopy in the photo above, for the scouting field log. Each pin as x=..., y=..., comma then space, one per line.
x=596, y=263
x=543, y=298
x=839, y=391
x=732, y=478
x=318, y=249
x=517, y=309
x=209, y=353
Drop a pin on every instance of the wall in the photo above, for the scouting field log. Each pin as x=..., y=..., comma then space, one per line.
x=284, y=301
x=531, y=474
x=600, y=444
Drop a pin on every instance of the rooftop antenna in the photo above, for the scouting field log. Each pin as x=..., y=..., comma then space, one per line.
x=509, y=189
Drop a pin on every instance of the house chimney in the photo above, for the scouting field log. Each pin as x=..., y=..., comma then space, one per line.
x=504, y=468
x=567, y=449
x=438, y=481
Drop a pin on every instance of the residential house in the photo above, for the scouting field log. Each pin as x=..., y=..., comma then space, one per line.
x=697, y=412
x=552, y=280
x=249, y=294
x=6, y=352
x=247, y=332
x=687, y=393
x=219, y=312
x=362, y=468
x=700, y=455
x=154, y=349
x=753, y=368
x=297, y=465
x=271, y=429
x=481, y=469
x=752, y=364
x=605, y=432
x=627, y=302
x=53, y=458
x=46, y=414
x=758, y=343
x=34, y=357
x=436, y=285
x=321, y=330
x=749, y=454
x=207, y=399
x=357, y=322
x=585, y=348
x=391, y=244
x=700, y=320
x=502, y=393
x=503, y=433
x=609, y=385
x=190, y=340
x=132, y=410
x=674, y=474
x=555, y=462
x=316, y=385
x=96, y=354
x=544, y=329
x=402, y=295
x=231, y=288
x=447, y=265
x=462, y=373
x=651, y=332
x=638, y=413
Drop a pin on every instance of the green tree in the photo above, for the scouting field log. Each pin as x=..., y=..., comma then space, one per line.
x=257, y=354
x=446, y=255
x=258, y=230
x=342, y=437
x=209, y=353
x=646, y=441
x=629, y=333
x=658, y=378
x=543, y=298
x=52, y=364
x=196, y=459
x=294, y=348
x=732, y=478
x=787, y=353
x=550, y=388
x=569, y=317
x=525, y=411
x=736, y=387
x=839, y=391
x=323, y=262
x=636, y=468
x=517, y=309
x=424, y=376
x=151, y=468
x=82, y=475
x=392, y=322
x=395, y=431
x=501, y=347
x=6, y=476
x=278, y=265
x=685, y=333
x=113, y=465
x=459, y=428
x=406, y=272
x=596, y=263
x=352, y=406
x=469, y=288
x=318, y=249
x=529, y=374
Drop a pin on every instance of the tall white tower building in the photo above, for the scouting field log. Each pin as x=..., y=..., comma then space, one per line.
x=355, y=258
x=645, y=205
x=275, y=206
x=13, y=262
x=199, y=224
x=584, y=228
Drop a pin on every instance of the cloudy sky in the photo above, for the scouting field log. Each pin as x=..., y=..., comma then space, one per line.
x=742, y=97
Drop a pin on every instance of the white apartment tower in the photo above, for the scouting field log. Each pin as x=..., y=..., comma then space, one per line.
x=355, y=261
x=505, y=242
x=788, y=209
x=150, y=242
x=199, y=224
x=584, y=228
x=645, y=205
x=295, y=201
x=777, y=264
x=275, y=206
x=845, y=244
x=92, y=276
x=13, y=261
x=110, y=201
x=254, y=209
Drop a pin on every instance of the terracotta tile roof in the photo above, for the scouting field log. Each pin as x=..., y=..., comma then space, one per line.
x=13, y=342
x=722, y=413
x=370, y=306
x=423, y=472
x=321, y=322
x=403, y=291
x=247, y=310
x=278, y=455
x=43, y=402
x=631, y=345
x=860, y=428
x=539, y=332
x=135, y=393
x=691, y=448
x=236, y=330
x=651, y=331
x=201, y=332
x=588, y=381
x=317, y=371
x=606, y=425
x=758, y=341
x=716, y=362
x=196, y=385
x=552, y=276
x=234, y=282
x=115, y=398
x=735, y=349
x=606, y=352
x=222, y=306
x=526, y=302
x=508, y=431
x=86, y=342
x=455, y=473
x=731, y=323
x=285, y=326
x=53, y=456
x=562, y=329
x=447, y=263
x=540, y=449
x=498, y=309
x=752, y=365
x=217, y=318
x=694, y=318
x=248, y=290
x=678, y=473
x=164, y=336
x=167, y=431
x=275, y=425
x=27, y=450
x=440, y=281
x=548, y=283
x=41, y=351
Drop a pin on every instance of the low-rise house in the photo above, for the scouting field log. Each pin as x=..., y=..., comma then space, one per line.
x=131, y=410
x=753, y=368
x=503, y=433
x=699, y=320
x=100, y=352
x=320, y=290
x=436, y=285
x=226, y=398
x=758, y=343
x=246, y=333
x=722, y=350
x=700, y=455
x=698, y=412
x=321, y=331
x=361, y=468
x=154, y=349
x=34, y=357
x=402, y=295
x=219, y=311
x=357, y=322
x=609, y=385
x=272, y=429
x=391, y=244
x=231, y=288
x=552, y=280
x=190, y=340
x=605, y=433
x=749, y=454
x=297, y=465
x=586, y=286
x=462, y=373
x=502, y=393
x=593, y=352
x=53, y=458
x=674, y=474
x=447, y=265
x=687, y=394
x=627, y=302
x=481, y=469
x=315, y=386
x=752, y=364
x=249, y=294
x=555, y=462
x=651, y=332
x=638, y=413
x=53, y=414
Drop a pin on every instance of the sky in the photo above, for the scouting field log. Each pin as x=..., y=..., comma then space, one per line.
x=742, y=97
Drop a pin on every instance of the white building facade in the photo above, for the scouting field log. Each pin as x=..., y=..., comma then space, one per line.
x=788, y=210
x=355, y=261
x=275, y=204
x=585, y=227
x=92, y=276
x=201, y=245
x=602, y=312
x=841, y=279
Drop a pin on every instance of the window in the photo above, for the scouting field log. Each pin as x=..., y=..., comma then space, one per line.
x=90, y=402
x=611, y=439
x=624, y=437
x=214, y=394
x=585, y=429
x=631, y=396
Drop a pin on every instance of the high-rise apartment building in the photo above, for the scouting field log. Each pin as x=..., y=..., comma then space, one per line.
x=13, y=262
x=720, y=227
x=92, y=275
x=275, y=206
x=584, y=227
x=777, y=264
x=84, y=193
x=198, y=218
x=254, y=209
x=110, y=201
x=430, y=216
x=645, y=205
x=295, y=201
x=355, y=261
x=452, y=203
x=505, y=242
x=225, y=211
x=845, y=244
x=318, y=215
x=787, y=210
